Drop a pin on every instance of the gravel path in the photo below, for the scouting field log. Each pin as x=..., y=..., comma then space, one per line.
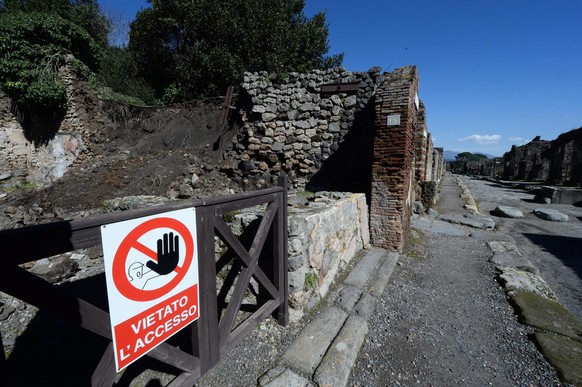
x=443, y=320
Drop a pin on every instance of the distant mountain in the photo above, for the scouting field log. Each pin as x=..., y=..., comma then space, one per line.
x=450, y=155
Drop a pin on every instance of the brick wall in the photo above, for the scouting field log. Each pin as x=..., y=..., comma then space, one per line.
x=392, y=167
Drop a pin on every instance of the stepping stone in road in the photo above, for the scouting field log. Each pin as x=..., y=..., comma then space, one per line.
x=551, y=215
x=508, y=212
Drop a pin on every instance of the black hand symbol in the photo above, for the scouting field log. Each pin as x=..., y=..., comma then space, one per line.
x=168, y=255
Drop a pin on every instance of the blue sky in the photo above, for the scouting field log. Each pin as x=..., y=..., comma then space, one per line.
x=492, y=73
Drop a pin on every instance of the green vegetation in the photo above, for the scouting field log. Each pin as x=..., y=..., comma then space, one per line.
x=310, y=281
x=460, y=164
x=177, y=51
x=120, y=73
x=33, y=46
x=414, y=244
x=83, y=13
x=192, y=49
x=468, y=156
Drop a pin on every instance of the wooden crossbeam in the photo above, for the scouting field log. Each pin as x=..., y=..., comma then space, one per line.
x=332, y=88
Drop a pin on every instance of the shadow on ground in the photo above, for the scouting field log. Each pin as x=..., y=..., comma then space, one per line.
x=53, y=351
x=567, y=249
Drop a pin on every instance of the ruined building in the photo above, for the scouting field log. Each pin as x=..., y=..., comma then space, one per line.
x=528, y=162
x=555, y=162
x=566, y=159
x=344, y=131
x=327, y=130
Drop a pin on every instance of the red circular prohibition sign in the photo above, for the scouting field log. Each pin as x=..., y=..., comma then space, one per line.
x=131, y=241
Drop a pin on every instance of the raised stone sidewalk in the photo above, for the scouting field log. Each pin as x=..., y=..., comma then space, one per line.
x=326, y=350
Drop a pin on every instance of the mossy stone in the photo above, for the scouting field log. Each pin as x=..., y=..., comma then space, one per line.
x=547, y=315
x=564, y=354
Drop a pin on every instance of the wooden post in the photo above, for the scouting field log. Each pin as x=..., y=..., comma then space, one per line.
x=280, y=244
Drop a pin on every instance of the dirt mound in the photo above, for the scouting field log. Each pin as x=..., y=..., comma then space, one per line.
x=141, y=151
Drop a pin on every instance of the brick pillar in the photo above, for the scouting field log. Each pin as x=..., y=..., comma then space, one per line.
x=428, y=174
x=438, y=163
x=422, y=140
x=392, y=167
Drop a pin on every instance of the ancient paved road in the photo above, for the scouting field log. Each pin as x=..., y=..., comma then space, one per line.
x=443, y=320
x=555, y=248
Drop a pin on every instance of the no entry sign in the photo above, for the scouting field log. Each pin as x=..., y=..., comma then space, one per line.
x=151, y=269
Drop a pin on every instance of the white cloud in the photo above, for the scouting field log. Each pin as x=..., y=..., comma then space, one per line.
x=483, y=139
x=515, y=139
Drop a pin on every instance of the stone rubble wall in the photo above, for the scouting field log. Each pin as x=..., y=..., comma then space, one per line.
x=42, y=164
x=438, y=164
x=290, y=126
x=290, y=123
x=326, y=231
x=528, y=162
x=566, y=159
x=428, y=165
x=323, y=238
x=14, y=147
x=557, y=162
x=422, y=143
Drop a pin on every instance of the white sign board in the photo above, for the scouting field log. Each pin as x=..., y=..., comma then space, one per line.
x=151, y=269
x=393, y=120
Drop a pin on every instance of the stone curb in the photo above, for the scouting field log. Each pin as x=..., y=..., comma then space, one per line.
x=466, y=194
x=558, y=333
x=336, y=366
x=325, y=351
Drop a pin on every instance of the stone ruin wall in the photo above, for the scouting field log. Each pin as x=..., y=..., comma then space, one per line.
x=41, y=164
x=323, y=238
x=14, y=147
x=527, y=162
x=566, y=159
x=322, y=139
x=291, y=125
x=288, y=125
x=556, y=162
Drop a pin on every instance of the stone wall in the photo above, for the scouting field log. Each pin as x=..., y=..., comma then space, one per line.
x=289, y=124
x=438, y=163
x=14, y=147
x=566, y=159
x=557, y=162
x=323, y=238
x=527, y=162
x=422, y=140
x=326, y=130
x=40, y=163
x=337, y=139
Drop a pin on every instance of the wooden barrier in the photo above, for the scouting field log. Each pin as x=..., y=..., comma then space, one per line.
x=217, y=330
